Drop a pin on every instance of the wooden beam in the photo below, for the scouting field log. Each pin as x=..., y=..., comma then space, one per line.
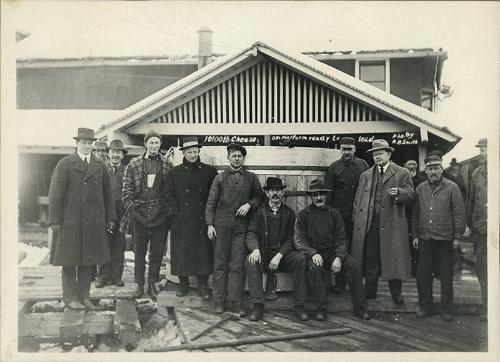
x=316, y=103
x=224, y=109
x=292, y=102
x=334, y=106
x=311, y=105
x=212, y=101
x=247, y=97
x=253, y=117
x=327, y=115
x=127, y=320
x=196, y=111
x=322, y=105
x=219, y=118
x=242, y=99
x=71, y=323
x=286, y=114
x=230, y=97
x=259, y=85
x=275, y=94
x=270, y=94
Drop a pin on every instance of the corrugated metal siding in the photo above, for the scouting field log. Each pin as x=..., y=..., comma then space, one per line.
x=270, y=93
x=94, y=87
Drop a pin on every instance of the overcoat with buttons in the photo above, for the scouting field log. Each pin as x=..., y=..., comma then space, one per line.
x=81, y=202
x=394, y=250
x=188, y=185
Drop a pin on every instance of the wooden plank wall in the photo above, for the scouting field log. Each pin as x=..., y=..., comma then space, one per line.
x=270, y=93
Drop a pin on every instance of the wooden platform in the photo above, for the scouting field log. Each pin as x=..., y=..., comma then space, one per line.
x=385, y=332
x=43, y=283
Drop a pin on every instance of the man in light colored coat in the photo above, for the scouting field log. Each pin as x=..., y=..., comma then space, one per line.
x=380, y=232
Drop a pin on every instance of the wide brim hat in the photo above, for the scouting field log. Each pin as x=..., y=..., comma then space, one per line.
x=237, y=146
x=85, y=134
x=317, y=186
x=273, y=183
x=190, y=142
x=117, y=145
x=380, y=144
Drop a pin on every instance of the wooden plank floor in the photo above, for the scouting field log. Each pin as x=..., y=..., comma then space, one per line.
x=386, y=332
x=467, y=295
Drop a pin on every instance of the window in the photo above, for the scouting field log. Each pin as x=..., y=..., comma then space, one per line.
x=373, y=73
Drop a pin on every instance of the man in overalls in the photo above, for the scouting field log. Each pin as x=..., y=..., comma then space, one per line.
x=144, y=199
x=233, y=194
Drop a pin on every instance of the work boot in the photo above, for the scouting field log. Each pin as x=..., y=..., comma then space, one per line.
x=100, y=282
x=300, y=312
x=361, y=313
x=183, y=288
x=270, y=293
x=320, y=315
x=119, y=283
x=202, y=287
x=219, y=306
x=89, y=306
x=152, y=291
x=139, y=291
x=75, y=305
x=257, y=312
x=237, y=308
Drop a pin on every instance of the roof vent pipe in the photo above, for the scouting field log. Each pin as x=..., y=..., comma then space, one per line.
x=204, y=46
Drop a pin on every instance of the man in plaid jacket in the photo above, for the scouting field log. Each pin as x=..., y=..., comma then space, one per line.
x=144, y=199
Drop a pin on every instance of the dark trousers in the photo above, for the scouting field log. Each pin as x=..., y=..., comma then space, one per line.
x=413, y=258
x=76, y=282
x=113, y=270
x=292, y=261
x=435, y=254
x=155, y=238
x=317, y=276
x=371, y=263
x=229, y=257
x=340, y=277
x=480, y=249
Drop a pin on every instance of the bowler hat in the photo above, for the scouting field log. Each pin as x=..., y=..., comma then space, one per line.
x=117, y=145
x=190, y=142
x=347, y=141
x=237, y=146
x=100, y=145
x=152, y=134
x=317, y=186
x=85, y=134
x=273, y=183
x=380, y=144
x=483, y=142
x=433, y=160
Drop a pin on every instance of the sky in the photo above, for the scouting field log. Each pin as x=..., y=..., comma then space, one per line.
x=469, y=32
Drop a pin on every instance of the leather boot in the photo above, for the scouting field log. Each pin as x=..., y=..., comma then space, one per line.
x=237, y=308
x=202, y=287
x=183, y=287
x=219, y=307
x=139, y=291
x=257, y=312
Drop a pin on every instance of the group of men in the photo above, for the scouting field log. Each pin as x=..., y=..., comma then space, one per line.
x=229, y=226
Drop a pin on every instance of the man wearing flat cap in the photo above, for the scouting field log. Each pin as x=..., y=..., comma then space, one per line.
x=380, y=232
x=477, y=218
x=188, y=185
x=320, y=235
x=111, y=273
x=438, y=222
x=80, y=211
x=342, y=177
x=100, y=150
x=270, y=241
x=144, y=199
x=234, y=194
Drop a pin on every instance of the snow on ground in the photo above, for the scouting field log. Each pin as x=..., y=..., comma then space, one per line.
x=34, y=254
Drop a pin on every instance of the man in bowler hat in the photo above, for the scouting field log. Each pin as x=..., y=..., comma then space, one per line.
x=144, y=199
x=342, y=177
x=234, y=194
x=380, y=232
x=270, y=241
x=188, y=185
x=81, y=209
x=111, y=273
x=320, y=235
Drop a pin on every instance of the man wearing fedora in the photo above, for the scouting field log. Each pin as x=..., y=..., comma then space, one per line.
x=111, y=273
x=144, y=199
x=477, y=218
x=270, y=241
x=320, y=235
x=342, y=177
x=438, y=222
x=81, y=210
x=188, y=185
x=380, y=232
x=234, y=194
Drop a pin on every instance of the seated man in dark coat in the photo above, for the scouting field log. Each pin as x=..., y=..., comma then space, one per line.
x=270, y=240
x=319, y=233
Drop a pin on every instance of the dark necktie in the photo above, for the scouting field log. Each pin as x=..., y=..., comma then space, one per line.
x=156, y=157
x=381, y=171
x=115, y=169
x=85, y=161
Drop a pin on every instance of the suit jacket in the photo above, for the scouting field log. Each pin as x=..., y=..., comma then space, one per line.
x=257, y=234
x=393, y=231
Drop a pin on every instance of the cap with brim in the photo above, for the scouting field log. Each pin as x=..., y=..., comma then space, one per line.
x=483, y=142
x=117, y=145
x=151, y=134
x=380, y=144
x=273, y=183
x=85, y=134
x=347, y=141
x=190, y=142
x=237, y=146
x=100, y=145
x=317, y=186
x=433, y=161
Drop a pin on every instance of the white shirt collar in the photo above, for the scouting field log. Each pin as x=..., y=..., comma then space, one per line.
x=83, y=157
x=384, y=167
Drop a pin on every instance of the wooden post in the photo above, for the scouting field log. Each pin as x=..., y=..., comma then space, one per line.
x=127, y=320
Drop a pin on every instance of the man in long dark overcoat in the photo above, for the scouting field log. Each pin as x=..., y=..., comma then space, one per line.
x=81, y=208
x=188, y=185
x=380, y=233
